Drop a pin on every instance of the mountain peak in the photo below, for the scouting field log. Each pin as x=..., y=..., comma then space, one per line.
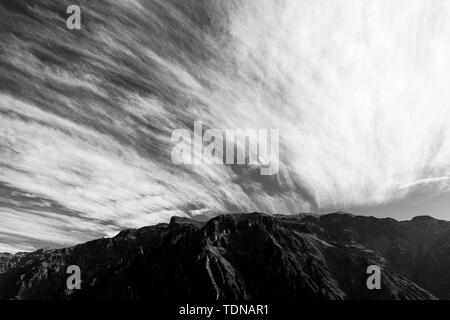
x=423, y=218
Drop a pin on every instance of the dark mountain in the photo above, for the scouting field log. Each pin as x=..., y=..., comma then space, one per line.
x=245, y=256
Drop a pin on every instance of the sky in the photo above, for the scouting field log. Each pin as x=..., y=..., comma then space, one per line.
x=358, y=91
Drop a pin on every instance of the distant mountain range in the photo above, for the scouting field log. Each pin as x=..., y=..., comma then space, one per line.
x=245, y=256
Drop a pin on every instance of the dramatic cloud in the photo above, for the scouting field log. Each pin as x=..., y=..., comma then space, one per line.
x=357, y=89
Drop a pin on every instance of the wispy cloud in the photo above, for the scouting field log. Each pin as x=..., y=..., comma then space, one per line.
x=425, y=182
x=358, y=91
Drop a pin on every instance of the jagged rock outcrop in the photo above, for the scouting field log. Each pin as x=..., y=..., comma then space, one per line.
x=245, y=256
x=8, y=261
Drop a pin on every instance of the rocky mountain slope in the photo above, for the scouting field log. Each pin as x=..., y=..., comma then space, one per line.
x=245, y=256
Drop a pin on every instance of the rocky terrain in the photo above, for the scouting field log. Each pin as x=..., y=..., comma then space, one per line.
x=245, y=256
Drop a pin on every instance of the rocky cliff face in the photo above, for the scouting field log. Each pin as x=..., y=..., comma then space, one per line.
x=245, y=256
x=8, y=261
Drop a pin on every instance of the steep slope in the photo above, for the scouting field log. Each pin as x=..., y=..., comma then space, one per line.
x=246, y=256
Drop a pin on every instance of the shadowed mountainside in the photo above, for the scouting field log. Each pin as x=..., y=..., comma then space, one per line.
x=245, y=256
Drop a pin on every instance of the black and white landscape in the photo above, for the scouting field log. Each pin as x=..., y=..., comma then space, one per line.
x=354, y=95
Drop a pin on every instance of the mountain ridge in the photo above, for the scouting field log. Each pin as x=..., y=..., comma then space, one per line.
x=245, y=257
